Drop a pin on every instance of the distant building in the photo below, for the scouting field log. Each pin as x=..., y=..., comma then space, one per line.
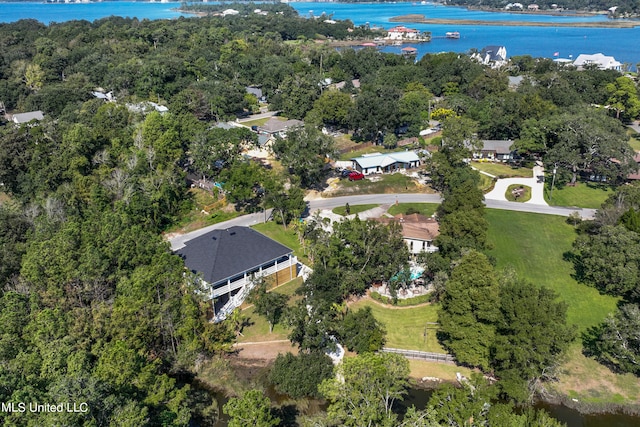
x=496, y=150
x=257, y=92
x=275, y=126
x=22, y=118
x=533, y=7
x=387, y=162
x=603, y=62
x=495, y=56
x=402, y=33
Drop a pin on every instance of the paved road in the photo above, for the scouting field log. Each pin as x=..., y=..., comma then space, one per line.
x=178, y=242
x=537, y=187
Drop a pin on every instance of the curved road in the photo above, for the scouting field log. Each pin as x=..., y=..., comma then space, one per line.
x=178, y=242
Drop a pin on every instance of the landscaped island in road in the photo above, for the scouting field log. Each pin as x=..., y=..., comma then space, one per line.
x=421, y=19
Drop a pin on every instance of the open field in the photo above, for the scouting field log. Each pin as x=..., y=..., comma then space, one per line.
x=533, y=245
x=353, y=209
x=583, y=195
x=446, y=372
x=286, y=236
x=634, y=139
x=501, y=170
x=406, y=326
x=426, y=209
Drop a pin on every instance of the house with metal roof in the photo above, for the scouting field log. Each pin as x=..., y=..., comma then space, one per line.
x=22, y=118
x=599, y=60
x=228, y=260
x=385, y=162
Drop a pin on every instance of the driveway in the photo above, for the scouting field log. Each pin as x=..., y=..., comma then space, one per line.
x=537, y=188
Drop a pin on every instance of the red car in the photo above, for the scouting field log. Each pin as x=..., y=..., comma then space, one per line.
x=355, y=176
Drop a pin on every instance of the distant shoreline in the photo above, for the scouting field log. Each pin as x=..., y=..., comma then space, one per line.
x=421, y=19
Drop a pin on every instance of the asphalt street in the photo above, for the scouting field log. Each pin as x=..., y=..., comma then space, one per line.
x=178, y=242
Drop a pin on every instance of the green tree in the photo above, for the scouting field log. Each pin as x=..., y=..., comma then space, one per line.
x=361, y=332
x=270, y=305
x=304, y=152
x=299, y=376
x=609, y=260
x=333, y=107
x=615, y=342
x=252, y=409
x=531, y=337
x=367, y=388
x=470, y=310
x=623, y=99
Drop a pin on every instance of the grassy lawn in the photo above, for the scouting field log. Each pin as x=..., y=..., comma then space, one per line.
x=259, y=122
x=287, y=237
x=533, y=245
x=501, y=170
x=426, y=209
x=583, y=195
x=421, y=369
x=354, y=209
x=258, y=328
x=486, y=183
x=524, y=196
x=406, y=326
x=394, y=183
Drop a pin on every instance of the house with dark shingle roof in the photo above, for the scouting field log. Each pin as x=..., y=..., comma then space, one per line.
x=418, y=231
x=227, y=261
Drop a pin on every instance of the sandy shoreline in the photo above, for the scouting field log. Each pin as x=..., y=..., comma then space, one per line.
x=421, y=19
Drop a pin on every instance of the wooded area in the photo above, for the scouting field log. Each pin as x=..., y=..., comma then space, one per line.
x=94, y=307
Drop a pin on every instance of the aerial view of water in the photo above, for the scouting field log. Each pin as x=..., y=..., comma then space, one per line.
x=567, y=42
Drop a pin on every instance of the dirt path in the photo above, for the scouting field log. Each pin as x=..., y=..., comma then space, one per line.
x=264, y=350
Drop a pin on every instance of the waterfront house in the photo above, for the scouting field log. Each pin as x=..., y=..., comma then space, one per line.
x=402, y=33
x=495, y=56
x=227, y=261
x=599, y=60
x=385, y=162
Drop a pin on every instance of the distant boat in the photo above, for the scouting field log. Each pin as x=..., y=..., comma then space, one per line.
x=452, y=35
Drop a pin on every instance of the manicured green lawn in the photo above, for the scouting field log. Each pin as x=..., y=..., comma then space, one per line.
x=426, y=209
x=582, y=195
x=377, y=184
x=534, y=245
x=524, y=196
x=353, y=209
x=503, y=171
x=287, y=237
x=406, y=326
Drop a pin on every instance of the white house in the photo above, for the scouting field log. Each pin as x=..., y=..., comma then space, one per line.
x=496, y=56
x=496, y=150
x=227, y=260
x=402, y=33
x=387, y=162
x=603, y=62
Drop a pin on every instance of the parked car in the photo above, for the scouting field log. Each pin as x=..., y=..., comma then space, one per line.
x=355, y=176
x=345, y=173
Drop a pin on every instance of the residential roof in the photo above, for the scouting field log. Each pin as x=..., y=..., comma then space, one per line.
x=274, y=125
x=222, y=254
x=386, y=159
x=27, y=117
x=415, y=226
x=254, y=91
x=499, y=146
x=602, y=61
x=494, y=53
